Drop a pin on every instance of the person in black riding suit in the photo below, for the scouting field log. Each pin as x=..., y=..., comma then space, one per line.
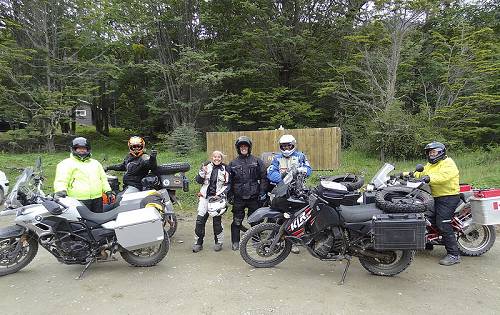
x=136, y=165
x=249, y=183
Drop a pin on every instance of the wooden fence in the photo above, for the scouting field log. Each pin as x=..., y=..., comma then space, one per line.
x=321, y=145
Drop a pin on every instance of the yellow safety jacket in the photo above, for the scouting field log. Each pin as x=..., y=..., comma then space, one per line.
x=444, y=177
x=82, y=180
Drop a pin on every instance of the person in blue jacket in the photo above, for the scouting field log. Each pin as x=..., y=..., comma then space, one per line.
x=283, y=161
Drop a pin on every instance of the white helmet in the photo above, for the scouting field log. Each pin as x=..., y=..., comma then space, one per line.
x=216, y=206
x=287, y=140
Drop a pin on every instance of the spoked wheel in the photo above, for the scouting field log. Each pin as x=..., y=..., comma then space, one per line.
x=10, y=261
x=147, y=256
x=397, y=262
x=476, y=240
x=255, y=246
x=170, y=224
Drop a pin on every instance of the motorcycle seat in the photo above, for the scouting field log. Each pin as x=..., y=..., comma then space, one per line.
x=100, y=218
x=359, y=213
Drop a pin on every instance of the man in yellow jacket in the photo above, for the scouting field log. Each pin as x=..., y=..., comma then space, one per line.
x=81, y=177
x=442, y=175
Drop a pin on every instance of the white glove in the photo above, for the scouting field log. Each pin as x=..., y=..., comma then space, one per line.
x=302, y=169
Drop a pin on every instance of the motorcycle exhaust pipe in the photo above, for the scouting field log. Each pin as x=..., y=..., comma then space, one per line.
x=370, y=253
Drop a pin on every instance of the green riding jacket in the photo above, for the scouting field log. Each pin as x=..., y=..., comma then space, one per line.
x=82, y=180
x=444, y=177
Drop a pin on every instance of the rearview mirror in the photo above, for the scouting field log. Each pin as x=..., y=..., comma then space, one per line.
x=38, y=163
x=419, y=168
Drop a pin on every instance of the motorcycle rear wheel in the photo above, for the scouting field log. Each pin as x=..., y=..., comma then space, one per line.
x=23, y=258
x=149, y=256
x=401, y=260
x=478, y=240
x=255, y=244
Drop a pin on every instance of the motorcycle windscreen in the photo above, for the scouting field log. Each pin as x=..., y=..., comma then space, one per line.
x=22, y=181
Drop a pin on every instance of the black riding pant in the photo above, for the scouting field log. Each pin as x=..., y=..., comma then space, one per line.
x=199, y=229
x=239, y=214
x=444, y=208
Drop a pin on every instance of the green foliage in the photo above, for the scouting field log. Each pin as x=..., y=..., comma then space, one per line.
x=254, y=110
x=182, y=140
x=392, y=74
x=395, y=133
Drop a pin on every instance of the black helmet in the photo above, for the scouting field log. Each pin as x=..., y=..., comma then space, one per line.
x=438, y=146
x=80, y=142
x=243, y=140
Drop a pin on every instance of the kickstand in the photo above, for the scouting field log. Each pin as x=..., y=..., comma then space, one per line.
x=85, y=269
x=344, y=274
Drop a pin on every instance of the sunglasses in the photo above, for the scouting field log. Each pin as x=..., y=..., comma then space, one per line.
x=287, y=146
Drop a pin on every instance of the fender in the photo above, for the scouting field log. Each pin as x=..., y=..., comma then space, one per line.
x=169, y=207
x=12, y=231
x=262, y=213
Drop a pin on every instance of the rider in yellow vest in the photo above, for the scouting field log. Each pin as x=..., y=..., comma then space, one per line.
x=442, y=175
x=81, y=177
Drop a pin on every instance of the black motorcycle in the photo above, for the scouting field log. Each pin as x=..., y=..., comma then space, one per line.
x=316, y=219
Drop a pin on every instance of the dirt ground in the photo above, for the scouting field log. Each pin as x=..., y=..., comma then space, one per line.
x=222, y=283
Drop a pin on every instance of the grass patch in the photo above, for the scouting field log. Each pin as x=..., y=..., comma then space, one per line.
x=479, y=168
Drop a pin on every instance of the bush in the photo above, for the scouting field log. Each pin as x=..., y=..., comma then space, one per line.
x=396, y=134
x=29, y=140
x=182, y=140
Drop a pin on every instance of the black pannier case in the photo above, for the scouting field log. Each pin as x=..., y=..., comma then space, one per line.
x=399, y=231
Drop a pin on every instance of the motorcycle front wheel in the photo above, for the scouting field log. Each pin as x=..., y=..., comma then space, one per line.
x=399, y=261
x=476, y=240
x=255, y=246
x=10, y=262
x=148, y=256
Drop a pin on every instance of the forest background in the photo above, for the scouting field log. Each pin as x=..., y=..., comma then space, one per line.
x=391, y=74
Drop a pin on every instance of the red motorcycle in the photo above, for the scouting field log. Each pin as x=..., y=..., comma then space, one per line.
x=402, y=195
x=472, y=239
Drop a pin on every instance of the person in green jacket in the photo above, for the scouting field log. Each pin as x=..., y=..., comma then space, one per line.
x=443, y=176
x=81, y=177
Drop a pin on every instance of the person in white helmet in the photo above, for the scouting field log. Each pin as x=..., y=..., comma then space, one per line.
x=283, y=161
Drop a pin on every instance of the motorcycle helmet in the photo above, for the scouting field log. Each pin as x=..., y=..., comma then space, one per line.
x=287, y=145
x=80, y=142
x=136, y=146
x=216, y=206
x=437, y=146
x=243, y=140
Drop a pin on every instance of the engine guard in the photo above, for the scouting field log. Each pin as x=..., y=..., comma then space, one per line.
x=12, y=231
x=262, y=213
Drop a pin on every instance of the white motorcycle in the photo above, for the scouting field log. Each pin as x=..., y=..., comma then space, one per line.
x=74, y=234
